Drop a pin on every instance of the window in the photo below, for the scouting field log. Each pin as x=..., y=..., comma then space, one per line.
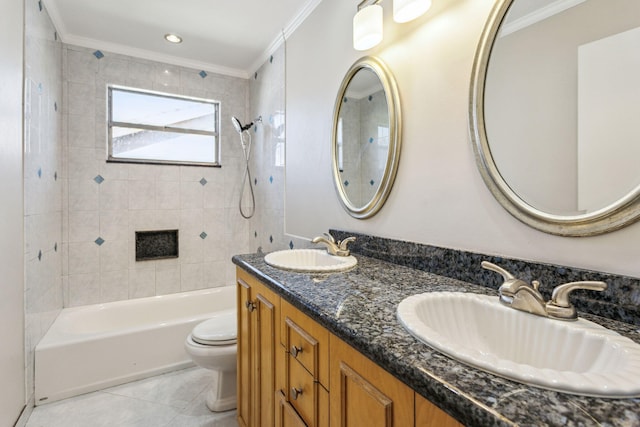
x=153, y=127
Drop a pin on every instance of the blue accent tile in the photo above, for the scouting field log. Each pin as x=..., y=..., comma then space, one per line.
x=344, y=99
x=370, y=140
x=372, y=182
x=39, y=87
x=271, y=239
x=39, y=172
x=203, y=182
x=40, y=5
x=203, y=74
x=99, y=179
x=98, y=54
x=271, y=59
x=39, y=255
x=271, y=179
x=346, y=183
x=370, y=97
x=290, y=244
x=99, y=241
x=203, y=235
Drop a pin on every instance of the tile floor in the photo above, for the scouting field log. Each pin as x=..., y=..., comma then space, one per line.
x=175, y=399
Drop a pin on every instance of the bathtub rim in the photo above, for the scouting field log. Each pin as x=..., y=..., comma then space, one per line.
x=54, y=338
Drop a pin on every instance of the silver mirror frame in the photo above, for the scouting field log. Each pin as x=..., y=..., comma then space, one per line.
x=395, y=137
x=615, y=216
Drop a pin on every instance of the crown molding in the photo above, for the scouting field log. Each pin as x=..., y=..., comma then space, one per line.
x=538, y=15
x=284, y=34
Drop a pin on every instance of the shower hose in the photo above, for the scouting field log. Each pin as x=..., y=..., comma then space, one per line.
x=246, y=149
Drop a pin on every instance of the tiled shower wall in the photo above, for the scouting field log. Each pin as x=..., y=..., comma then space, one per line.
x=267, y=163
x=267, y=99
x=42, y=179
x=105, y=203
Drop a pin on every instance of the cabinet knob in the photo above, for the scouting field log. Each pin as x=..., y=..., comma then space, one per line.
x=295, y=350
x=295, y=392
x=250, y=305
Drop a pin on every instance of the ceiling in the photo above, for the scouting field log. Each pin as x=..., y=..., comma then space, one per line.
x=231, y=37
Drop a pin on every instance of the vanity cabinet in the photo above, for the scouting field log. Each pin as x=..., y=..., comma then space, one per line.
x=292, y=372
x=258, y=343
x=429, y=415
x=363, y=394
x=306, y=366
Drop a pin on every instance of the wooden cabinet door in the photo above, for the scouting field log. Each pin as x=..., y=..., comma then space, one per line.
x=266, y=343
x=363, y=394
x=244, y=367
x=258, y=341
x=429, y=415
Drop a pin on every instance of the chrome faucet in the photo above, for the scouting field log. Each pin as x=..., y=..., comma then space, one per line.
x=519, y=295
x=338, y=248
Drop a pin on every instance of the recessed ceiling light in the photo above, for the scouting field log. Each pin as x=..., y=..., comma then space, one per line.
x=173, y=38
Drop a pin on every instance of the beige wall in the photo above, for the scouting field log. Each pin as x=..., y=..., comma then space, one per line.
x=439, y=197
x=12, y=390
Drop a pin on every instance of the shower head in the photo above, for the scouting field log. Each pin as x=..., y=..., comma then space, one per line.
x=236, y=124
x=240, y=128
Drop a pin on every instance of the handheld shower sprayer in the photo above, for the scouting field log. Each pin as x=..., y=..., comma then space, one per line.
x=246, y=148
x=240, y=128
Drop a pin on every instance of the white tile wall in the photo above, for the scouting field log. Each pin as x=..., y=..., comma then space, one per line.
x=266, y=230
x=136, y=197
x=43, y=180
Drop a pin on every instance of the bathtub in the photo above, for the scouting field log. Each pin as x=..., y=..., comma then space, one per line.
x=92, y=347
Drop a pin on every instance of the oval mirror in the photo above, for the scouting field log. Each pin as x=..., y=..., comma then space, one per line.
x=366, y=137
x=554, y=110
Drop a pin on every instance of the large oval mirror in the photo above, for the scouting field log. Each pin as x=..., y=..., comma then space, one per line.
x=366, y=137
x=554, y=112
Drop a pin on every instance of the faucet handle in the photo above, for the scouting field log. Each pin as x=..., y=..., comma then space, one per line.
x=495, y=268
x=343, y=244
x=559, y=306
x=329, y=237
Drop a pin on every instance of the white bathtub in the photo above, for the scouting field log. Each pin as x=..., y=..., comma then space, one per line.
x=97, y=346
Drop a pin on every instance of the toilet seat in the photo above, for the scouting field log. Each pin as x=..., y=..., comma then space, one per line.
x=217, y=331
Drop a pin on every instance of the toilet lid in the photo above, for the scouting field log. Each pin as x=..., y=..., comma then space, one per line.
x=221, y=329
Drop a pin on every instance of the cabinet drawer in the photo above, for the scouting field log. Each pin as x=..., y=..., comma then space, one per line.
x=307, y=342
x=286, y=416
x=301, y=391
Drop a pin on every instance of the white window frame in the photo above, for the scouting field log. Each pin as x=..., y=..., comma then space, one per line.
x=142, y=126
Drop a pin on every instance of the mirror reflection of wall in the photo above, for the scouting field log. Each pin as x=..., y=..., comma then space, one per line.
x=561, y=104
x=363, y=160
x=366, y=137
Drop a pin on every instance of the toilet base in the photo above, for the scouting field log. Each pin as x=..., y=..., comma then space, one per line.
x=222, y=392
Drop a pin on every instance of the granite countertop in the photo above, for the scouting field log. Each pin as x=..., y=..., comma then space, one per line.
x=359, y=306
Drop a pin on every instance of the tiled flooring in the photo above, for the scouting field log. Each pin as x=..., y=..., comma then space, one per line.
x=175, y=399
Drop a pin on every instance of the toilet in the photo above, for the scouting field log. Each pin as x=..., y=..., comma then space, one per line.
x=212, y=345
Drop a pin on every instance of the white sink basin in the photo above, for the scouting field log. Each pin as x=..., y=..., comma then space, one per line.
x=578, y=357
x=309, y=260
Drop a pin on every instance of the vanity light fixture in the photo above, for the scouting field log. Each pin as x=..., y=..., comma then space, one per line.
x=367, y=22
x=173, y=38
x=367, y=26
